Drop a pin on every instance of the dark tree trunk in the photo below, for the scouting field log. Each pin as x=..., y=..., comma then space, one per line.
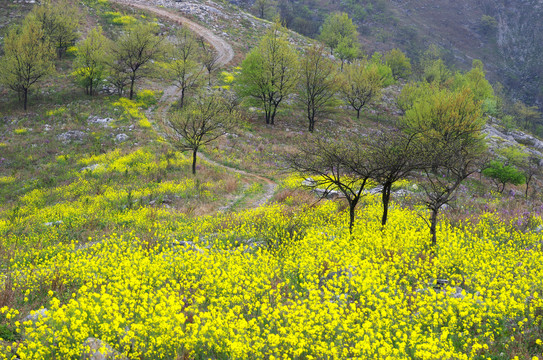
x=358, y=113
x=132, y=81
x=433, y=226
x=386, y=201
x=274, y=111
x=352, y=207
x=182, y=99
x=25, y=99
x=194, y=151
x=528, y=180
x=351, y=219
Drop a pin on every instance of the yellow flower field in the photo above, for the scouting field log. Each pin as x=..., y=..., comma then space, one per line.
x=275, y=284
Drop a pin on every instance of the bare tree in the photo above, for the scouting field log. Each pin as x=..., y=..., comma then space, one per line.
x=210, y=59
x=183, y=66
x=318, y=85
x=447, y=166
x=335, y=166
x=27, y=60
x=393, y=155
x=198, y=124
x=135, y=49
x=361, y=85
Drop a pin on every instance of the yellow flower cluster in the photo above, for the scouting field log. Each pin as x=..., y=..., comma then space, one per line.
x=270, y=283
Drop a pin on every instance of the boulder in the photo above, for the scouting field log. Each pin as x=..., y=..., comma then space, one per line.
x=90, y=168
x=100, y=121
x=327, y=194
x=35, y=316
x=96, y=349
x=72, y=136
x=121, y=138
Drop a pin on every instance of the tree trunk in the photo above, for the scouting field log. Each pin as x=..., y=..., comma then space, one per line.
x=528, y=180
x=268, y=115
x=386, y=201
x=132, y=81
x=433, y=226
x=272, y=120
x=358, y=113
x=182, y=99
x=25, y=98
x=194, y=151
x=351, y=217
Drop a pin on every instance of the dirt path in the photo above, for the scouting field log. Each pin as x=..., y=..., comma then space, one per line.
x=270, y=186
x=226, y=54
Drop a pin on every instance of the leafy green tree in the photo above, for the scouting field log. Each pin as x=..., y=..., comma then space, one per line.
x=502, y=175
x=338, y=27
x=528, y=164
x=412, y=92
x=347, y=50
x=269, y=72
x=475, y=79
x=489, y=24
x=60, y=22
x=318, y=85
x=28, y=58
x=433, y=66
x=91, y=60
x=528, y=115
x=263, y=8
x=361, y=84
x=201, y=122
x=135, y=49
x=447, y=126
x=385, y=72
x=399, y=63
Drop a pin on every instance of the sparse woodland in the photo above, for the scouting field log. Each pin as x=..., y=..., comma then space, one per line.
x=300, y=199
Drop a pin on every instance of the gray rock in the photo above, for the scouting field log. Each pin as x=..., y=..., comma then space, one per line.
x=72, y=136
x=121, y=138
x=526, y=139
x=90, y=167
x=403, y=192
x=54, y=223
x=96, y=349
x=34, y=316
x=187, y=246
x=327, y=194
x=100, y=121
x=374, y=191
x=309, y=182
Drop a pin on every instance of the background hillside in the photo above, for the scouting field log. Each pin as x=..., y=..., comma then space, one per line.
x=506, y=35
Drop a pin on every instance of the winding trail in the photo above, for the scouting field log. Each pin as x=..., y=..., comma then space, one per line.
x=226, y=55
x=223, y=48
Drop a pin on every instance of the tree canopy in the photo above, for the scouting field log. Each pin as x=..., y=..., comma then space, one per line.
x=269, y=72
